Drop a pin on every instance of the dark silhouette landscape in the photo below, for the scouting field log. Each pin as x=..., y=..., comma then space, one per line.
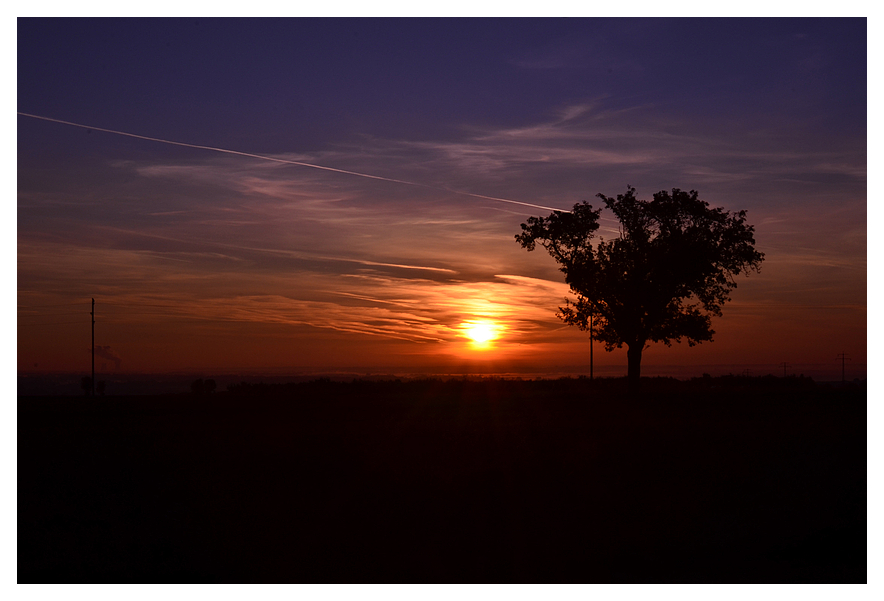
x=279, y=318
x=721, y=480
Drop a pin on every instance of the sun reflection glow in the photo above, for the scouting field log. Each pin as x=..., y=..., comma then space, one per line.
x=481, y=332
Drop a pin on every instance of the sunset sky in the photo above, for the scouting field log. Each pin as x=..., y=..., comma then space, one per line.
x=213, y=242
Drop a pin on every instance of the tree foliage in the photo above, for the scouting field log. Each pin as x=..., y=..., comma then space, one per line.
x=670, y=269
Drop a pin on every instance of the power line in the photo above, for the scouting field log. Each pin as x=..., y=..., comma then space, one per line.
x=47, y=314
x=843, y=357
x=55, y=323
x=45, y=306
x=136, y=304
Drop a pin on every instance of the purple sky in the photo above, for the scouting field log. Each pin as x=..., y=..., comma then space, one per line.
x=213, y=261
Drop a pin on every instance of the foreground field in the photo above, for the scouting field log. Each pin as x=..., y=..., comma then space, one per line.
x=553, y=481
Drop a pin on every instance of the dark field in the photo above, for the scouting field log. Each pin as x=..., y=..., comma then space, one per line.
x=493, y=481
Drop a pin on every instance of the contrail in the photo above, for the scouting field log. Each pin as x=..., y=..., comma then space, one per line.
x=288, y=162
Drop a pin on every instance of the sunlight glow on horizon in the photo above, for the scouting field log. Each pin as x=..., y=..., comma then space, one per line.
x=481, y=332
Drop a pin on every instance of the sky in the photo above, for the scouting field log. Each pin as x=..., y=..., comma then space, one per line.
x=296, y=196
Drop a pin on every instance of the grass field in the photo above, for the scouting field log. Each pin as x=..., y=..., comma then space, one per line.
x=457, y=481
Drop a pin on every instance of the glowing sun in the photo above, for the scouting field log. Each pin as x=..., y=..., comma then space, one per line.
x=480, y=332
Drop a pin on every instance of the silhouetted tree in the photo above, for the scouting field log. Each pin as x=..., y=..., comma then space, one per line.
x=209, y=386
x=99, y=387
x=670, y=269
x=197, y=386
x=86, y=385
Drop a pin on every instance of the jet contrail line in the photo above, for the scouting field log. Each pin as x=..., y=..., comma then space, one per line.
x=286, y=161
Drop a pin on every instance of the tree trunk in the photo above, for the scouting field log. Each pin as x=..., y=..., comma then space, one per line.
x=634, y=358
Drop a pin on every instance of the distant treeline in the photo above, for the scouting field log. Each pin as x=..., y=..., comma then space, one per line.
x=500, y=385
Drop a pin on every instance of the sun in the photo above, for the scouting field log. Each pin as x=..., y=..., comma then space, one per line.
x=481, y=331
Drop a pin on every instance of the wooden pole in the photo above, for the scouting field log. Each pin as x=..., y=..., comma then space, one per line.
x=843, y=357
x=93, y=346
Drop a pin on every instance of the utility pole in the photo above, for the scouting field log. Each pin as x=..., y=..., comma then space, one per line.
x=785, y=365
x=93, y=347
x=843, y=357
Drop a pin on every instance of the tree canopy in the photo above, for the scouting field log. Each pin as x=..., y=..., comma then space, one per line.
x=670, y=270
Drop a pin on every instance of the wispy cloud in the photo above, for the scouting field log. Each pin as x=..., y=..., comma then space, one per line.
x=416, y=309
x=105, y=352
x=620, y=141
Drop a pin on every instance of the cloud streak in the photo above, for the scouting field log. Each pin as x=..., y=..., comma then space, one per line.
x=282, y=160
x=105, y=352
